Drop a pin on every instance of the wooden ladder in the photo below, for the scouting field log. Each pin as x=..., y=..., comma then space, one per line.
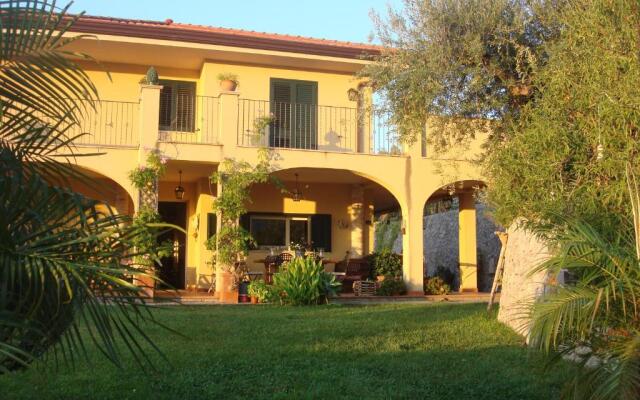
x=497, y=279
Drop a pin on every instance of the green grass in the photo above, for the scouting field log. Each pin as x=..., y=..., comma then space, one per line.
x=438, y=351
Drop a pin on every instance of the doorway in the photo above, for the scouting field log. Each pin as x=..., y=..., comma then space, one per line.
x=172, y=270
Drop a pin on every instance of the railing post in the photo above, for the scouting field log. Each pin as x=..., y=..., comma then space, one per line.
x=228, y=119
x=149, y=119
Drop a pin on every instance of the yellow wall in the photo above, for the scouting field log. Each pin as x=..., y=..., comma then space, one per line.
x=122, y=81
x=319, y=198
x=411, y=178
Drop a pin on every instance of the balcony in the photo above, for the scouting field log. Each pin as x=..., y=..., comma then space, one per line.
x=229, y=121
x=315, y=127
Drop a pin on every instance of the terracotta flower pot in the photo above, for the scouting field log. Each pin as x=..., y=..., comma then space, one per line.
x=254, y=300
x=228, y=85
x=228, y=294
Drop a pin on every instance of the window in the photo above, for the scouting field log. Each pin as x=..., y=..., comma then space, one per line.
x=269, y=231
x=295, y=106
x=177, y=106
x=212, y=222
x=282, y=230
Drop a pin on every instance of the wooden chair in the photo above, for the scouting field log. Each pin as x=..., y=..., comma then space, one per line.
x=270, y=267
x=355, y=269
x=283, y=258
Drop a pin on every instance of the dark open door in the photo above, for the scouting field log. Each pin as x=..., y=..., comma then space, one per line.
x=295, y=107
x=172, y=270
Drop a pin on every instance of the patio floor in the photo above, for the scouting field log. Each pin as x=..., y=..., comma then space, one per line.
x=202, y=297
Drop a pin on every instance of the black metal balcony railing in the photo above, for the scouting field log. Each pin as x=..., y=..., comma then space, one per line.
x=384, y=136
x=314, y=127
x=104, y=123
x=189, y=119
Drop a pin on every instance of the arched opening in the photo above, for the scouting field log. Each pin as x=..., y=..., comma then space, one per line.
x=98, y=186
x=332, y=211
x=460, y=245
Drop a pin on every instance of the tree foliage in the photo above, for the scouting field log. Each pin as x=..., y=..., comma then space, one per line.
x=463, y=61
x=566, y=154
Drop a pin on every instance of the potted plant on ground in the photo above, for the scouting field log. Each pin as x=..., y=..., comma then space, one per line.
x=385, y=264
x=231, y=243
x=228, y=81
x=258, y=291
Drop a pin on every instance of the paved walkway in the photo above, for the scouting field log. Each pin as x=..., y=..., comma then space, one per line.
x=188, y=297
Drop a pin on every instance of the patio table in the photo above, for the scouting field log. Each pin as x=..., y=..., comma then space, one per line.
x=254, y=275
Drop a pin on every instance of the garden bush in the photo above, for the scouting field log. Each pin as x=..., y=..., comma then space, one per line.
x=436, y=285
x=392, y=287
x=303, y=281
x=385, y=263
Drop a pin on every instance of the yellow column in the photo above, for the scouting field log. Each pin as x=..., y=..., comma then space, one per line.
x=149, y=118
x=356, y=214
x=412, y=249
x=228, y=120
x=467, y=243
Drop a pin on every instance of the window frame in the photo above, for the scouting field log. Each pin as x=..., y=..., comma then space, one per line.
x=287, y=226
x=173, y=111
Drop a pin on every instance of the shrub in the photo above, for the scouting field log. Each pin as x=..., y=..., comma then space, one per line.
x=391, y=287
x=385, y=263
x=447, y=275
x=436, y=285
x=259, y=289
x=303, y=281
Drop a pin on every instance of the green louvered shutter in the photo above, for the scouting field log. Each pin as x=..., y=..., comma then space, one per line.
x=177, y=106
x=281, y=100
x=321, y=231
x=294, y=104
x=305, y=129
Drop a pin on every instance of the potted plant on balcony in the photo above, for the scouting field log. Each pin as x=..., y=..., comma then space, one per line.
x=228, y=81
x=231, y=242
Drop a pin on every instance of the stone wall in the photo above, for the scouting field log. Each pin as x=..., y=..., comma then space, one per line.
x=519, y=288
x=441, y=245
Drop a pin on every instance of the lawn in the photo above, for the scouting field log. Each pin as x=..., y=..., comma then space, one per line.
x=435, y=351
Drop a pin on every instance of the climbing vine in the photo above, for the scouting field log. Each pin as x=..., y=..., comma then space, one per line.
x=232, y=242
x=386, y=231
x=147, y=220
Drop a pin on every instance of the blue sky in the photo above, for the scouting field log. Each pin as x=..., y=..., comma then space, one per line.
x=330, y=19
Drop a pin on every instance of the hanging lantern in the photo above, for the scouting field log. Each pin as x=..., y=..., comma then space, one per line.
x=179, y=190
x=297, y=194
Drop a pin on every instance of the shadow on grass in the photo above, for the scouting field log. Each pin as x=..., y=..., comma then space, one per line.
x=390, y=351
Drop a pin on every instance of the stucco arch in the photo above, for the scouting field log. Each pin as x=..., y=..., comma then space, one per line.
x=458, y=238
x=102, y=187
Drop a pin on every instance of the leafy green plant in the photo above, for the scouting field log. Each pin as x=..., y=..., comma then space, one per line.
x=260, y=290
x=436, y=285
x=232, y=242
x=386, y=231
x=447, y=275
x=146, y=175
x=227, y=76
x=594, y=319
x=392, y=287
x=303, y=281
x=63, y=256
x=385, y=263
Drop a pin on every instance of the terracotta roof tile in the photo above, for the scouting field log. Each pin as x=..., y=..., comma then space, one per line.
x=170, y=30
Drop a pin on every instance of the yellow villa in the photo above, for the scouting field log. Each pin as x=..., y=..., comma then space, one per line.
x=337, y=158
